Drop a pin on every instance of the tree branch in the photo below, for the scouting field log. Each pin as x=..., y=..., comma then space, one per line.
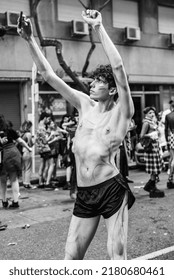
x=83, y=4
x=102, y=7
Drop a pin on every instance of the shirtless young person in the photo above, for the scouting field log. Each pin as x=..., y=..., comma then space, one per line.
x=102, y=127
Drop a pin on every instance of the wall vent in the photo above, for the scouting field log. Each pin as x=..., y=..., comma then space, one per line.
x=132, y=34
x=79, y=28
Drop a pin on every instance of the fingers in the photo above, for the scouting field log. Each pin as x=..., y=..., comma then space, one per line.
x=24, y=27
x=23, y=22
x=90, y=14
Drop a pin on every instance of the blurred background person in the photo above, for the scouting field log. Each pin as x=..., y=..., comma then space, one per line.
x=11, y=162
x=53, y=137
x=153, y=156
x=169, y=135
x=42, y=146
x=69, y=159
x=27, y=155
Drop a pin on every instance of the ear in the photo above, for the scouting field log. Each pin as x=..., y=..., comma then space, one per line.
x=112, y=91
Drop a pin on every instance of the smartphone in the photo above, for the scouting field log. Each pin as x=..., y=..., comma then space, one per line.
x=20, y=19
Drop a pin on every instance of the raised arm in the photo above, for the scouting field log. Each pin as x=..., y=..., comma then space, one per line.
x=94, y=18
x=75, y=97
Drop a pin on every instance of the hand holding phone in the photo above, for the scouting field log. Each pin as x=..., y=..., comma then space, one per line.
x=20, y=20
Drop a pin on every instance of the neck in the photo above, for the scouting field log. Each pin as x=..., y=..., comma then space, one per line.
x=105, y=106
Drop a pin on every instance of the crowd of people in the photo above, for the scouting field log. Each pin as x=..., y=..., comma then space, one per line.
x=157, y=138
x=54, y=145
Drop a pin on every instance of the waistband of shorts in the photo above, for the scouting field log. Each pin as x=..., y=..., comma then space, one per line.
x=100, y=185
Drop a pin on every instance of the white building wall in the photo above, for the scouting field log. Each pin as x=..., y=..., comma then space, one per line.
x=15, y=6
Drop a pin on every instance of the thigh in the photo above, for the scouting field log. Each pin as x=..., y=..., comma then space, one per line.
x=81, y=233
x=13, y=176
x=117, y=228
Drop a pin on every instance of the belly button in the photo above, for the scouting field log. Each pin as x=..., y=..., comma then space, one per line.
x=107, y=130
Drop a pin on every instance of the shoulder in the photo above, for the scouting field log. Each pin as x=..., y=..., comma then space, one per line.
x=86, y=100
x=145, y=124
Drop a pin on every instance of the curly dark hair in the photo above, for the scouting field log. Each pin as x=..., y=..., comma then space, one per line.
x=104, y=71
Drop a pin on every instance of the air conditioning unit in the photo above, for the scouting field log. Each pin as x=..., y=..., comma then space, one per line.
x=171, y=40
x=79, y=28
x=12, y=19
x=132, y=34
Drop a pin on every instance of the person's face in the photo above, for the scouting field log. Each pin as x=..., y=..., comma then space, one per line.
x=151, y=114
x=99, y=89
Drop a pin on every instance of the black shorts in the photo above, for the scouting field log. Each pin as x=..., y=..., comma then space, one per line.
x=103, y=199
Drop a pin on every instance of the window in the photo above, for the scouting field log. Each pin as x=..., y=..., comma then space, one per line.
x=125, y=13
x=166, y=20
x=68, y=10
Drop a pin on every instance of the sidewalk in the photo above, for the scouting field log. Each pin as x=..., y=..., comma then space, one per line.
x=61, y=173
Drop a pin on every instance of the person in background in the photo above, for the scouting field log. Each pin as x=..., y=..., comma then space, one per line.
x=26, y=155
x=43, y=147
x=133, y=139
x=169, y=135
x=11, y=162
x=53, y=137
x=63, y=141
x=69, y=160
x=153, y=158
x=161, y=129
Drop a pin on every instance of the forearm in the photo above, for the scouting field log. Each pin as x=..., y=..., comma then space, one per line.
x=42, y=64
x=53, y=140
x=50, y=77
x=144, y=130
x=109, y=48
x=23, y=143
x=166, y=132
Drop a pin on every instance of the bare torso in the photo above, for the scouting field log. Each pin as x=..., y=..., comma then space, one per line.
x=95, y=145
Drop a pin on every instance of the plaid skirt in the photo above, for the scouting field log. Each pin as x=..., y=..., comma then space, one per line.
x=154, y=160
x=171, y=140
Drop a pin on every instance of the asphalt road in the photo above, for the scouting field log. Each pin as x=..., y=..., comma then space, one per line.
x=48, y=213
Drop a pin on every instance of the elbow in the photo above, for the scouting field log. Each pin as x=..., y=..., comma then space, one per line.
x=117, y=65
x=46, y=74
x=130, y=112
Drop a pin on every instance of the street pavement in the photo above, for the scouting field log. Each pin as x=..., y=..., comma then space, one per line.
x=38, y=229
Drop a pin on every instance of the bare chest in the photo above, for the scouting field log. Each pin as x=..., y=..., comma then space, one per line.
x=95, y=136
